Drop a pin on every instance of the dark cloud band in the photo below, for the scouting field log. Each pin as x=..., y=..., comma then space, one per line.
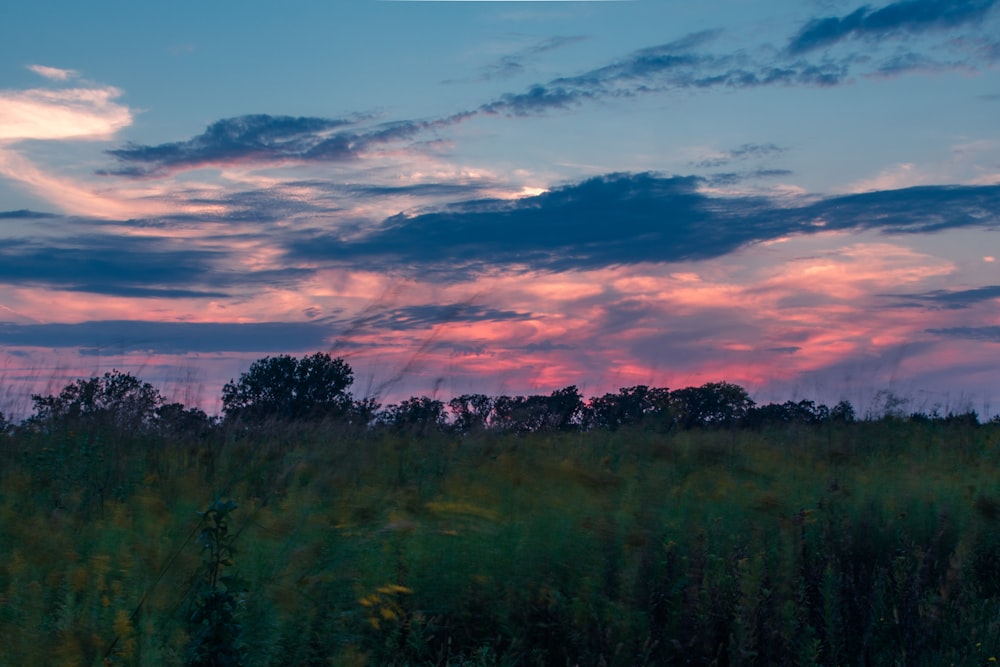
x=905, y=16
x=631, y=218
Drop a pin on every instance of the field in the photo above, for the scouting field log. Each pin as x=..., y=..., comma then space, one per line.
x=867, y=543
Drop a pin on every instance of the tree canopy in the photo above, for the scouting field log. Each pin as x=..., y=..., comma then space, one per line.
x=284, y=388
x=116, y=399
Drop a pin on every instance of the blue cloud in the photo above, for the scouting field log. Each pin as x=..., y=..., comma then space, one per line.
x=671, y=66
x=133, y=266
x=987, y=334
x=25, y=214
x=951, y=299
x=630, y=218
x=512, y=64
x=744, y=152
x=732, y=177
x=98, y=263
x=907, y=16
x=262, y=138
x=169, y=337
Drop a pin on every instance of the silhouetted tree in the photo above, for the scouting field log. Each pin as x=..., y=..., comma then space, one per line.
x=175, y=421
x=363, y=412
x=561, y=410
x=789, y=412
x=117, y=400
x=843, y=412
x=471, y=412
x=629, y=407
x=712, y=404
x=419, y=415
x=564, y=409
x=284, y=388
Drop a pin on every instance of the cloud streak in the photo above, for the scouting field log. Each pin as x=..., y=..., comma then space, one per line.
x=740, y=153
x=168, y=337
x=262, y=139
x=54, y=73
x=906, y=16
x=952, y=299
x=675, y=65
x=254, y=137
x=72, y=113
x=104, y=264
x=633, y=218
x=984, y=334
x=513, y=64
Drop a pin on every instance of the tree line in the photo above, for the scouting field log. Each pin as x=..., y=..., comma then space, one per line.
x=281, y=390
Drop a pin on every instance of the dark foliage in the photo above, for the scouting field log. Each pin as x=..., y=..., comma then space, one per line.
x=789, y=412
x=175, y=421
x=559, y=411
x=471, y=412
x=363, y=412
x=843, y=412
x=712, y=404
x=629, y=407
x=418, y=415
x=213, y=624
x=284, y=388
x=117, y=400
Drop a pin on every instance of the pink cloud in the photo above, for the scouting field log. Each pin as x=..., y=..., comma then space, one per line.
x=73, y=113
x=54, y=73
x=81, y=198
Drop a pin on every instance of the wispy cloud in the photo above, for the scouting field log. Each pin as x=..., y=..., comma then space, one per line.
x=744, y=152
x=257, y=137
x=687, y=63
x=72, y=113
x=169, y=337
x=987, y=334
x=513, y=64
x=267, y=140
x=54, y=73
x=74, y=195
x=906, y=16
x=79, y=113
x=729, y=178
x=952, y=299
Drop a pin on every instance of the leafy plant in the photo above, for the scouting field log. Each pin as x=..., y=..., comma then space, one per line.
x=214, y=624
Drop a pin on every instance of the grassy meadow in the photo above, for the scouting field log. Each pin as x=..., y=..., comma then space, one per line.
x=866, y=543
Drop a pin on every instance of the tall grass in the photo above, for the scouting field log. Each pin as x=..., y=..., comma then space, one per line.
x=870, y=543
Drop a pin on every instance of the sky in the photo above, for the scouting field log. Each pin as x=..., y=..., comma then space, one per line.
x=799, y=197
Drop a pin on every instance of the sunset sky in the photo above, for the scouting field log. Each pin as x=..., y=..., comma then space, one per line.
x=800, y=197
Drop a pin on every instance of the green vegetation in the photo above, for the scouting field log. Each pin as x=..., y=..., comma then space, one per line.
x=138, y=533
